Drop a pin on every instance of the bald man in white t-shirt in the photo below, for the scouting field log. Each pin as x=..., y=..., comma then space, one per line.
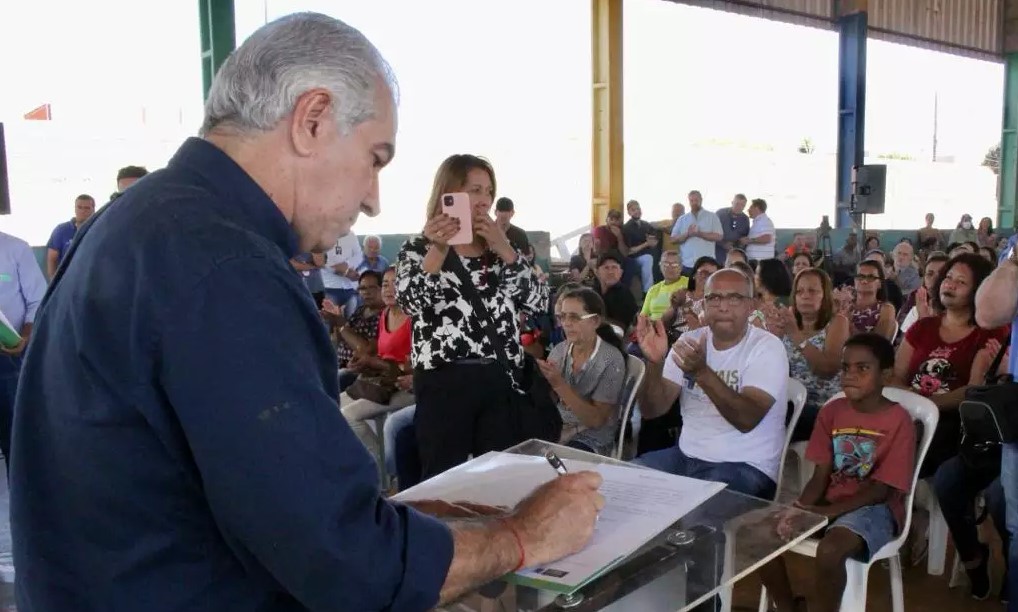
x=731, y=381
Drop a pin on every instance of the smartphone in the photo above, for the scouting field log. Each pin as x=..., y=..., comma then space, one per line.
x=458, y=205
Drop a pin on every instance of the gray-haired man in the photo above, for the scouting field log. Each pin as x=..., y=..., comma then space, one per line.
x=177, y=442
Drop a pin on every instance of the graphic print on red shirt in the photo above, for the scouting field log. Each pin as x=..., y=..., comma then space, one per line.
x=938, y=367
x=861, y=446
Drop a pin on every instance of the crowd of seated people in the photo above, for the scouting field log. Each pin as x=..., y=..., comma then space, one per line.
x=719, y=341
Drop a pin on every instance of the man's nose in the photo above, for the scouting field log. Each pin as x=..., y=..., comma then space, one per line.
x=371, y=205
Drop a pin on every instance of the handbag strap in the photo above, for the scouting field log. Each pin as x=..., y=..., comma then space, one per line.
x=991, y=374
x=453, y=263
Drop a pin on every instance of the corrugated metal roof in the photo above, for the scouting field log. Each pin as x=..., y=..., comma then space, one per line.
x=965, y=27
x=816, y=13
x=970, y=26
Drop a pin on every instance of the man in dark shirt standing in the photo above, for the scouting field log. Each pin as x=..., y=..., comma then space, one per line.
x=178, y=444
x=734, y=225
x=505, y=210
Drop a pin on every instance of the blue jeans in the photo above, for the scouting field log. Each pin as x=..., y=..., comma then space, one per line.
x=740, y=477
x=1009, y=482
x=397, y=421
x=645, y=268
x=873, y=524
x=956, y=486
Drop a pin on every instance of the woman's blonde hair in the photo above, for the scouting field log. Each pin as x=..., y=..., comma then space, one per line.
x=452, y=176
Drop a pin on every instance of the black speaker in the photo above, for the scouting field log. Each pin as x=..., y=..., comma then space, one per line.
x=5, y=188
x=869, y=187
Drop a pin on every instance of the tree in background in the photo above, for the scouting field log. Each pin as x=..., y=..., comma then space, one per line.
x=806, y=147
x=992, y=158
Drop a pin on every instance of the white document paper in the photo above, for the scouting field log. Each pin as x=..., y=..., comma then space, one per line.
x=639, y=504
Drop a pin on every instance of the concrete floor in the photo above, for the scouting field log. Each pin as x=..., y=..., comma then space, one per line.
x=922, y=591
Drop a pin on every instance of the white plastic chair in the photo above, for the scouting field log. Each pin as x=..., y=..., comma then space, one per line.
x=635, y=369
x=936, y=553
x=854, y=598
x=796, y=394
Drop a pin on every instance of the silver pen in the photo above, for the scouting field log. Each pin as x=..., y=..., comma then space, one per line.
x=556, y=463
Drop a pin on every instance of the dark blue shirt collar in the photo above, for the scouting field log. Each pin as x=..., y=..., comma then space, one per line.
x=237, y=189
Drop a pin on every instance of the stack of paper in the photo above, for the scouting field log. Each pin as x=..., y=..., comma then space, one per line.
x=639, y=504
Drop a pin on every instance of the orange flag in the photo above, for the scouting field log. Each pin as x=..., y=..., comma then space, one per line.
x=40, y=113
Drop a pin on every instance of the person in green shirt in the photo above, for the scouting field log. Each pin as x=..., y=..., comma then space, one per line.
x=659, y=296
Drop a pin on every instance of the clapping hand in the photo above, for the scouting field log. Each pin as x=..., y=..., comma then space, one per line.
x=693, y=231
x=843, y=301
x=691, y=357
x=651, y=337
x=551, y=372
x=332, y=314
x=678, y=298
x=922, y=302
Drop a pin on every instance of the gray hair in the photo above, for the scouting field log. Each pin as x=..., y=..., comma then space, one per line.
x=258, y=85
x=372, y=237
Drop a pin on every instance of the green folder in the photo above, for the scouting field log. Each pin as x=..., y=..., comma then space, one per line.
x=9, y=337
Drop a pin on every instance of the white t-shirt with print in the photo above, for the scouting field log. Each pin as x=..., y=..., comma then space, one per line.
x=762, y=225
x=348, y=251
x=759, y=361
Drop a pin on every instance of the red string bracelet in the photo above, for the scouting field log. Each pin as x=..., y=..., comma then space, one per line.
x=519, y=545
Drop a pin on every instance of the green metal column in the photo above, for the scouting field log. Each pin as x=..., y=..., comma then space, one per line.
x=1008, y=191
x=218, y=37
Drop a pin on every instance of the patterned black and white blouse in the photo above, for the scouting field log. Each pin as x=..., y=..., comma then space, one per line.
x=445, y=328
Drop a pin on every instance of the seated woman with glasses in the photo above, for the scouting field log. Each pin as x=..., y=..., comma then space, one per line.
x=586, y=372
x=866, y=308
x=814, y=336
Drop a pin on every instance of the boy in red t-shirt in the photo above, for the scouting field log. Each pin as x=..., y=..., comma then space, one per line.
x=863, y=446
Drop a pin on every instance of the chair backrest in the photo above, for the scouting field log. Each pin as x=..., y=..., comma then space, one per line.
x=635, y=370
x=796, y=397
x=926, y=414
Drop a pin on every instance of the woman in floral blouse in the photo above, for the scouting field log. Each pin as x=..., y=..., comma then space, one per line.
x=467, y=404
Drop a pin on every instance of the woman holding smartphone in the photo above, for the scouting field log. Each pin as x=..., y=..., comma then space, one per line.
x=466, y=402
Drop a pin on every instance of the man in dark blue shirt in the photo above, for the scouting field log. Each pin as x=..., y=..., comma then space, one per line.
x=63, y=234
x=177, y=439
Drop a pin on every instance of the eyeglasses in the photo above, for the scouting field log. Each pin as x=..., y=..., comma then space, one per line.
x=866, y=278
x=572, y=317
x=665, y=264
x=732, y=299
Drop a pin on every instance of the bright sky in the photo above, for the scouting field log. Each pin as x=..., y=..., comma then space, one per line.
x=714, y=101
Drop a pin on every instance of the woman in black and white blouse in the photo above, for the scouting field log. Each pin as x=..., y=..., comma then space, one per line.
x=465, y=402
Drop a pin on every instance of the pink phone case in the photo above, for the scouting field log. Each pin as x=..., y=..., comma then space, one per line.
x=458, y=205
